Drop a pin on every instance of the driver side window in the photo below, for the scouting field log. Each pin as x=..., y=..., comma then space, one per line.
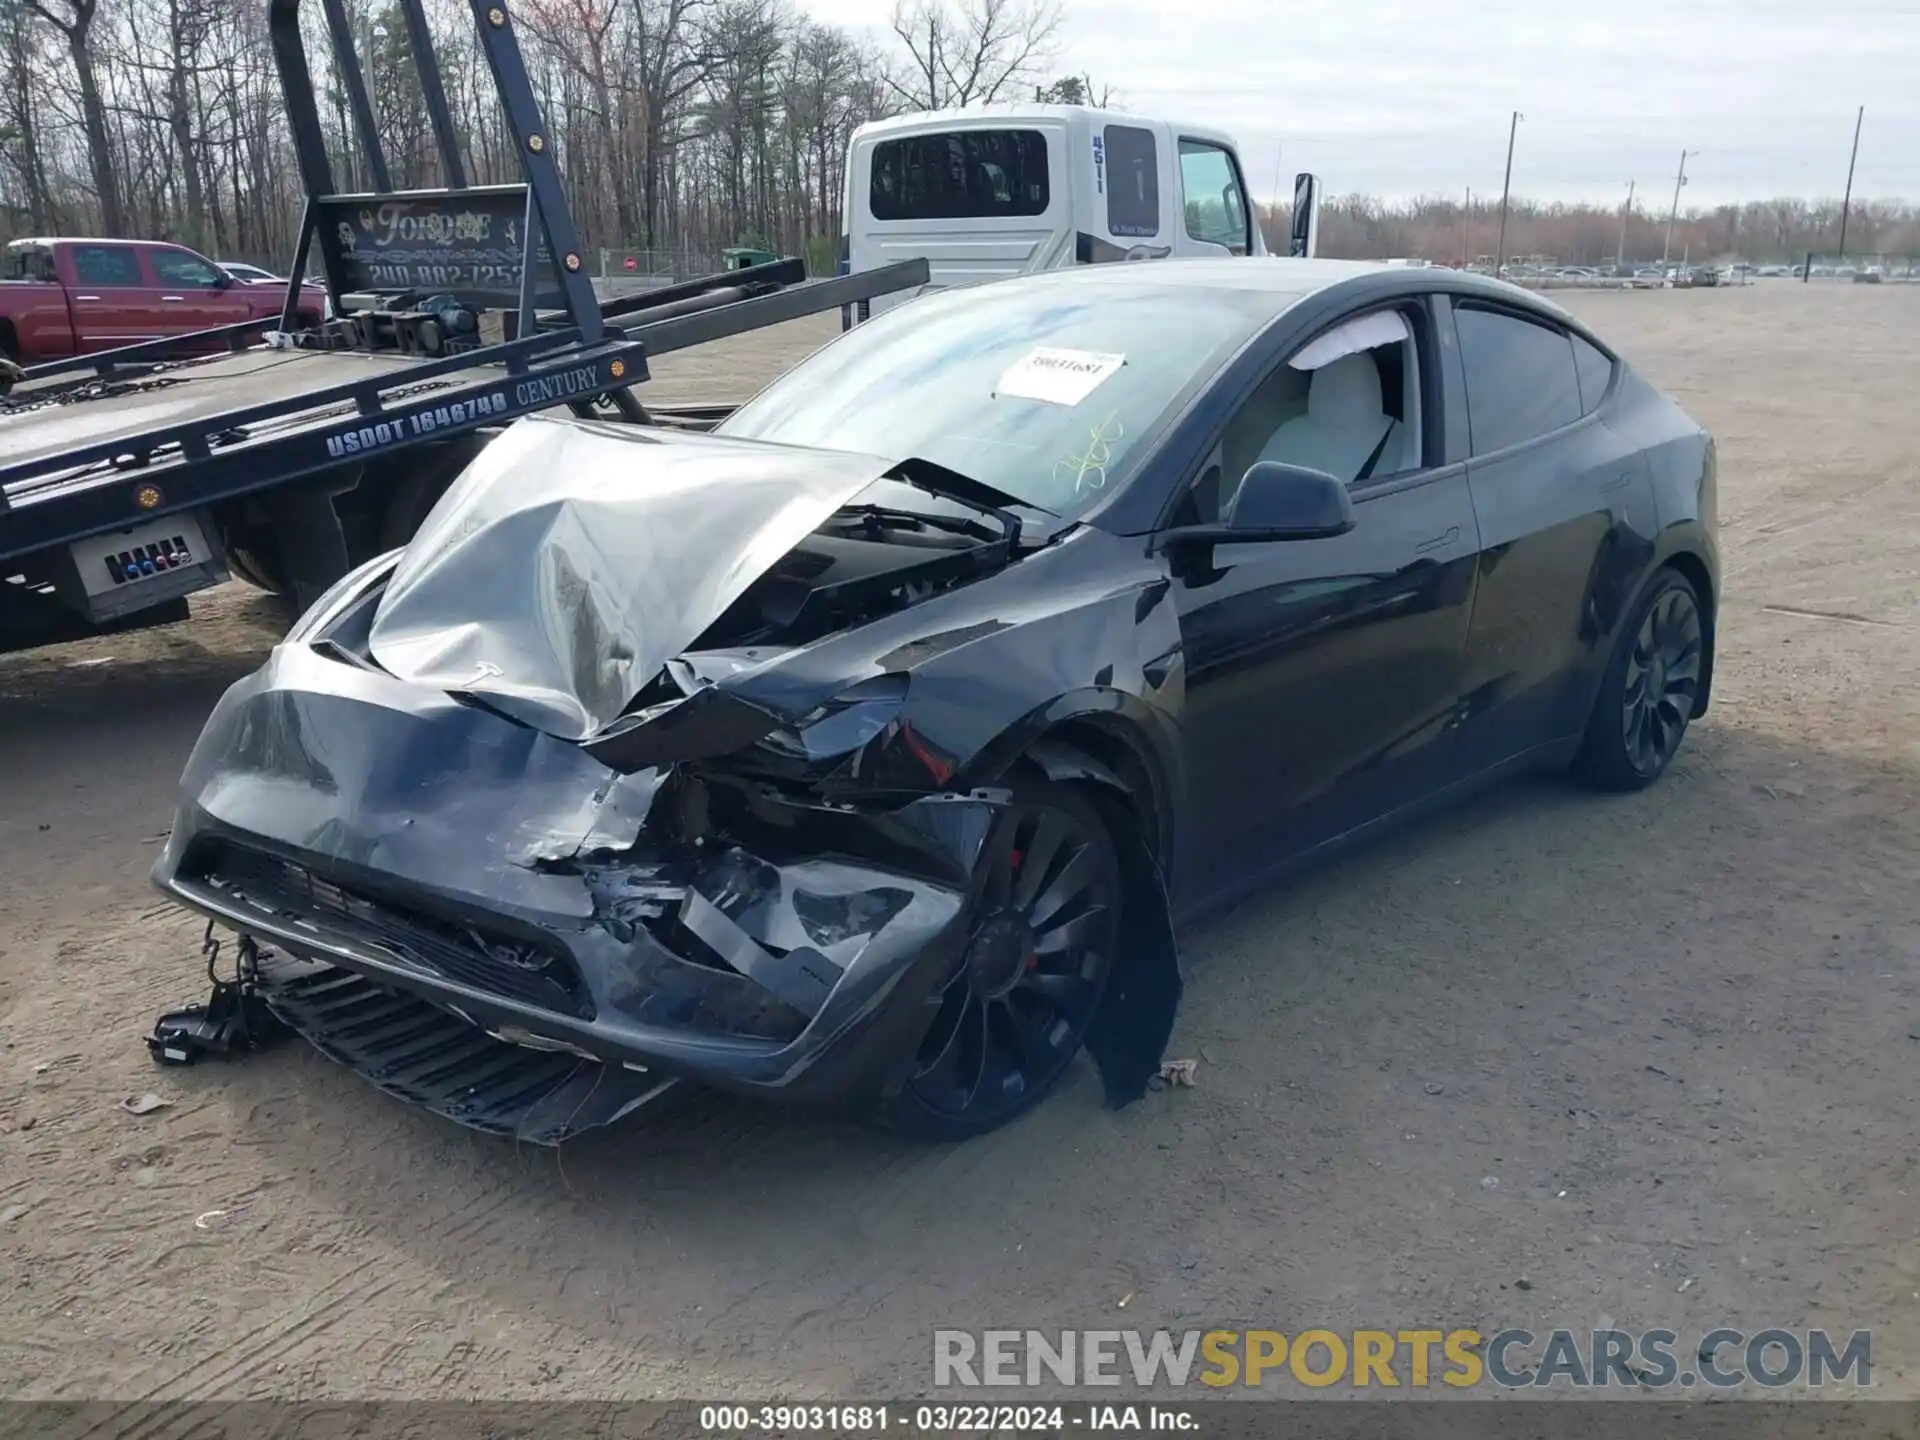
x=1347, y=403
x=176, y=267
x=1212, y=196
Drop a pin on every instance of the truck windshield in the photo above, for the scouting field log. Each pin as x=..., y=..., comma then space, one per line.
x=1044, y=390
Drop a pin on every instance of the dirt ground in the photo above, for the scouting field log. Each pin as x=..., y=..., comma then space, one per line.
x=1655, y=1056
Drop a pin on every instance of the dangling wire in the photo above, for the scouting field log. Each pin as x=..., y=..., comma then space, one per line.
x=210, y=947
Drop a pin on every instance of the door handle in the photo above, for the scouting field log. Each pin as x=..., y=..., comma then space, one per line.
x=1446, y=537
x=1619, y=482
x=174, y=299
x=86, y=297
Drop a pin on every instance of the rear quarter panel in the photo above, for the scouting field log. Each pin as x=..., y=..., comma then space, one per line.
x=1684, y=464
x=1681, y=455
x=35, y=324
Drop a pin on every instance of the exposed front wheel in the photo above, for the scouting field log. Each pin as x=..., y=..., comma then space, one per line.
x=1649, y=691
x=1008, y=1023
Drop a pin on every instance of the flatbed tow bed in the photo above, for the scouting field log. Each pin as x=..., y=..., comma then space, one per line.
x=129, y=479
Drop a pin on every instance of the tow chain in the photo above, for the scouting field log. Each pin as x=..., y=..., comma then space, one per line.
x=99, y=389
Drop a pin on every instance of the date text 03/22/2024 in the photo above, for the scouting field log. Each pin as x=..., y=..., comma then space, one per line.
x=941, y=1419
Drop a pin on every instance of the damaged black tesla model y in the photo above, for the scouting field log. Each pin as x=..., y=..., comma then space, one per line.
x=863, y=752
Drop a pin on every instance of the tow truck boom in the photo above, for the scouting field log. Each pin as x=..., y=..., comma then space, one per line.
x=132, y=479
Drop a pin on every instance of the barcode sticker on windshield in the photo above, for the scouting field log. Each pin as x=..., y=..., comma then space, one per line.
x=1058, y=377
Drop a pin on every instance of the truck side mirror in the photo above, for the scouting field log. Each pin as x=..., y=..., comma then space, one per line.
x=1306, y=216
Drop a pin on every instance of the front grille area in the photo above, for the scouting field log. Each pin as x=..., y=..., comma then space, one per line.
x=470, y=955
x=432, y=1058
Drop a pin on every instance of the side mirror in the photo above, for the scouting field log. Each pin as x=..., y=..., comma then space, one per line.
x=1275, y=502
x=223, y=281
x=1304, y=243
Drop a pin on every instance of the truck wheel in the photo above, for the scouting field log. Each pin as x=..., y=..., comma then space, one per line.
x=417, y=494
x=253, y=557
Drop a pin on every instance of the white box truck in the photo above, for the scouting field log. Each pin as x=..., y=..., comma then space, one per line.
x=1005, y=190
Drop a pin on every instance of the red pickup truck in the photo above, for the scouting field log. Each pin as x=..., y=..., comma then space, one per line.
x=75, y=297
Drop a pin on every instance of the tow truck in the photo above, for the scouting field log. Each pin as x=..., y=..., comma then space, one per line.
x=132, y=477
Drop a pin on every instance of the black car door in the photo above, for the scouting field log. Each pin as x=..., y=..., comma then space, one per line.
x=1322, y=675
x=1567, y=519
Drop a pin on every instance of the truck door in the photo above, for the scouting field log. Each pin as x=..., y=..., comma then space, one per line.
x=1132, y=188
x=1215, y=218
x=194, y=294
x=113, y=304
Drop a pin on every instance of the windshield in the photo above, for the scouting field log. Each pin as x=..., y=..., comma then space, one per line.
x=1045, y=393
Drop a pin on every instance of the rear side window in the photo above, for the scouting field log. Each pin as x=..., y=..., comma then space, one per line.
x=1133, y=182
x=1521, y=379
x=963, y=175
x=106, y=265
x=1596, y=373
x=29, y=264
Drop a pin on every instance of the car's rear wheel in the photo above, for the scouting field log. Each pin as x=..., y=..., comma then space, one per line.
x=1649, y=691
x=1007, y=1025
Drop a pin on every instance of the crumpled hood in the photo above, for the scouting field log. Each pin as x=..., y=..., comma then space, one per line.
x=573, y=559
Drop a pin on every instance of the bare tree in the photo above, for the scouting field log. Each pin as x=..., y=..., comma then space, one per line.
x=20, y=146
x=74, y=19
x=973, y=52
x=678, y=125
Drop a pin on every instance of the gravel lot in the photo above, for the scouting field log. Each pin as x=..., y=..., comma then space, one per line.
x=1679, y=1030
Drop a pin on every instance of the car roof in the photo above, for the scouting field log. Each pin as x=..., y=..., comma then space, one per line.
x=30, y=242
x=1276, y=275
x=1264, y=274
x=1288, y=281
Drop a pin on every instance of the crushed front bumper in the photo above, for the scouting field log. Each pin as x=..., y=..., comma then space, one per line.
x=374, y=829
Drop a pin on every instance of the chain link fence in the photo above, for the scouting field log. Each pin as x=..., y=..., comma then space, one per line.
x=627, y=272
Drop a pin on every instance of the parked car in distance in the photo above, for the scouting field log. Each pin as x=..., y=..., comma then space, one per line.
x=866, y=751
x=253, y=275
x=63, y=297
x=250, y=274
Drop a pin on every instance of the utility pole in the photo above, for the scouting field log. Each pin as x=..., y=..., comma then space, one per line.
x=1466, y=230
x=1666, y=249
x=1506, y=188
x=1620, y=260
x=1846, y=205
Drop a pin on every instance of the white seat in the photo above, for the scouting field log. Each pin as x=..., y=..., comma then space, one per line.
x=1345, y=423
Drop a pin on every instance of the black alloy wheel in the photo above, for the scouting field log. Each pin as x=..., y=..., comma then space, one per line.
x=1650, y=689
x=1662, y=679
x=1009, y=1022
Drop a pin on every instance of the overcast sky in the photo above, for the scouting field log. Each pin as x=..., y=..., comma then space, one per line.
x=1406, y=99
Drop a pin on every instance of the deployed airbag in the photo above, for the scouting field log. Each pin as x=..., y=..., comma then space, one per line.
x=573, y=559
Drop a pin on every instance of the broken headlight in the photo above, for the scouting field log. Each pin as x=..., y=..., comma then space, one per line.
x=846, y=723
